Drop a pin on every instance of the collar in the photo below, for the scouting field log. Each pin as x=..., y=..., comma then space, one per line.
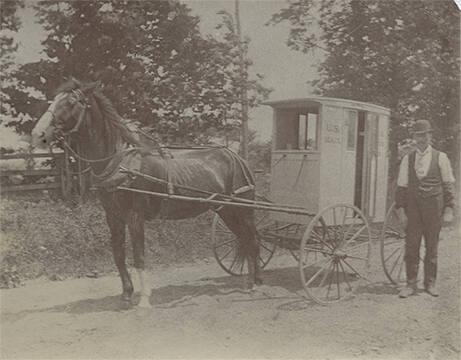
x=425, y=152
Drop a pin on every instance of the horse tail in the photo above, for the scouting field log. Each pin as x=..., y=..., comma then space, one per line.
x=242, y=177
x=241, y=220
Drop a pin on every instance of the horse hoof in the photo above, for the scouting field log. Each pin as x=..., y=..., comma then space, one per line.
x=144, y=302
x=125, y=297
x=126, y=300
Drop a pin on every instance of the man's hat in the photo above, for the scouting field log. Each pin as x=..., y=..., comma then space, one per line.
x=421, y=127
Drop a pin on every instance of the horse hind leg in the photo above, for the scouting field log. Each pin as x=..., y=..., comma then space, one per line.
x=240, y=222
x=136, y=229
x=248, y=224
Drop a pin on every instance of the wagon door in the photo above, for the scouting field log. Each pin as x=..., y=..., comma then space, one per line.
x=370, y=164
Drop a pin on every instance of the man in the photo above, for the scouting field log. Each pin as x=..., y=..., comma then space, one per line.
x=425, y=191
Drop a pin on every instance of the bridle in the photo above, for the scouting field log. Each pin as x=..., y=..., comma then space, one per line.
x=79, y=98
x=62, y=136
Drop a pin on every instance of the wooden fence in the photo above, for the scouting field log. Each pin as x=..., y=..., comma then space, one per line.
x=64, y=177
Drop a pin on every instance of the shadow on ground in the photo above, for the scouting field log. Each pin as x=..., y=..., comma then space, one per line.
x=172, y=295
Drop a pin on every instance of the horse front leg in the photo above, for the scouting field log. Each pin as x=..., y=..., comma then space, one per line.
x=117, y=230
x=136, y=229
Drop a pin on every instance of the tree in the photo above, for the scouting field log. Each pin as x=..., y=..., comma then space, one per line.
x=400, y=54
x=10, y=24
x=155, y=65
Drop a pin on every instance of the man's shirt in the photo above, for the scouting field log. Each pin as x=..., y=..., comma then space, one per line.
x=422, y=162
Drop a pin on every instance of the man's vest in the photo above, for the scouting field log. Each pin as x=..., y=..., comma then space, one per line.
x=431, y=184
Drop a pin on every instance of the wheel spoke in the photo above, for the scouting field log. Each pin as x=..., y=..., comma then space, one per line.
x=221, y=225
x=400, y=270
x=241, y=267
x=323, y=242
x=260, y=259
x=316, y=236
x=325, y=227
x=355, y=271
x=357, y=257
x=318, y=273
x=393, y=241
x=337, y=281
x=355, y=235
x=224, y=231
x=395, y=263
x=233, y=263
x=318, y=250
x=225, y=243
x=340, y=236
x=392, y=254
x=264, y=246
x=306, y=265
x=345, y=276
x=329, y=283
x=325, y=276
x=357, y=246
x=394, y=230
x=226, y=254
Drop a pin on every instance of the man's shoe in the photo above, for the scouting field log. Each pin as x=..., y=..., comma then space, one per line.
x=432, y=290
x=406, y=292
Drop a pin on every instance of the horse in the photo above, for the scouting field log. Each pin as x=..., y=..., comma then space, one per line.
x=83, y=119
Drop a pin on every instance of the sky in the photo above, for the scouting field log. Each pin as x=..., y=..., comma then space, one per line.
x=285, y=71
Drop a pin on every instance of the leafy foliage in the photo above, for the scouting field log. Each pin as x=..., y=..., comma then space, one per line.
x=154, y=63
x=400, y=54
x=10, y=23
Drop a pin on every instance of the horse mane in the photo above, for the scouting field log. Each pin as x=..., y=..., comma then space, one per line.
x=116, y=128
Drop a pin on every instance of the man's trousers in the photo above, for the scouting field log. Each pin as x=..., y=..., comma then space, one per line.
x=424, y=219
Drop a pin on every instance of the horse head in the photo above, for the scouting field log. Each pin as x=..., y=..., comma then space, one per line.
x=64, y=115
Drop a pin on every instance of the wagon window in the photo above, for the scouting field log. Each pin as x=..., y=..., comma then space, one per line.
x=307, y=131
x=351, y=129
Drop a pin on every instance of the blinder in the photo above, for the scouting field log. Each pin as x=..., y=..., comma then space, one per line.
x=76, y=98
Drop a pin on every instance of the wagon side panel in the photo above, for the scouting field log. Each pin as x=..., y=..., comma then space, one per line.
x=295, y=181
x=331, y=169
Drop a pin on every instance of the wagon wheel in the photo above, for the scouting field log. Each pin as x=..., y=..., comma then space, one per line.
x=392, y=239
x=225, y=244
x=334, y=253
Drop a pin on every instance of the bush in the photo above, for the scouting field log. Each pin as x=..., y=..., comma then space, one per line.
x=49, y=238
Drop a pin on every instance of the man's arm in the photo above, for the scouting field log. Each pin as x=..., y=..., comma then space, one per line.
x=448, y=182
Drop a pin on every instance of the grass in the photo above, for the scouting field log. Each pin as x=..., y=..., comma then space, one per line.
x=50, y=239
x=46, y=237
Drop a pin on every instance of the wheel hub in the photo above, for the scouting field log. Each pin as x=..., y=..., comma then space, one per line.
x=339, y=255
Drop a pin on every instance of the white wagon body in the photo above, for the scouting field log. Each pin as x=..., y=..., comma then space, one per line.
x=328, y=151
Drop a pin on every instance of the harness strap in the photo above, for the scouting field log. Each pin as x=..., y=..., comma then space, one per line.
x=243, y=189
x=79, y=121
x=169, y=184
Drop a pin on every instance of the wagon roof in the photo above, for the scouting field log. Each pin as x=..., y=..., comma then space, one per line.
x=318, y=100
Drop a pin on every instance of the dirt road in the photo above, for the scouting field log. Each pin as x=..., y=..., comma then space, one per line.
x=200, y=313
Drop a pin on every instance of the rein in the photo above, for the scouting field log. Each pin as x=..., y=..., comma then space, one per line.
x=74, y=153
